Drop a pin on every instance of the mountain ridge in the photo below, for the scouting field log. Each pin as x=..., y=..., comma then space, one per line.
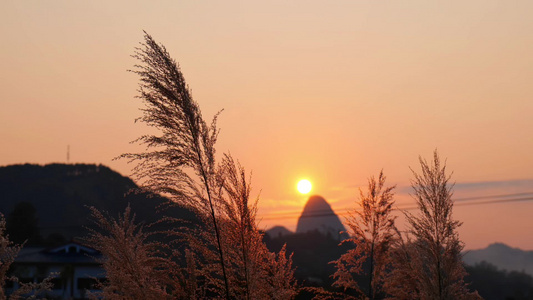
x=62, y=193
x=502, y=256
x=318, y=215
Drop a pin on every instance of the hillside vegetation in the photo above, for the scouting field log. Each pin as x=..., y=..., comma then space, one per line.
x=62, y=193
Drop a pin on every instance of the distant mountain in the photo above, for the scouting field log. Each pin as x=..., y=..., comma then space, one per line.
x=318, y=215
x=278, y=231
x=503, y=257
x=60, y=194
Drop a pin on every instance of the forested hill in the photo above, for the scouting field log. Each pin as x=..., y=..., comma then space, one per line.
x=60, y=194
x=503, y=257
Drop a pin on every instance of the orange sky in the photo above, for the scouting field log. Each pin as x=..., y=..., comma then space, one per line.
x=330, y=91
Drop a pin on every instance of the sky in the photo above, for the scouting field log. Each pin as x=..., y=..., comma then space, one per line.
x=331, y=91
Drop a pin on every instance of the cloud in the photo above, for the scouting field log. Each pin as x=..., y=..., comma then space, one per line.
x=484, y=187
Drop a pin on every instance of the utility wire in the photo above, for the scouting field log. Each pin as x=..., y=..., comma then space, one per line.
x=461, y=202
x=409, y=205
x=492, y=196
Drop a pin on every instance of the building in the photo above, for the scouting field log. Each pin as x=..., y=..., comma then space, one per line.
x=75, y=267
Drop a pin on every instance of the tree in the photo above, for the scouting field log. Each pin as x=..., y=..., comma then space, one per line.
x=428, y=262
x=371, y=228
x=493, y=283
x=22, y=224
x=8, y=253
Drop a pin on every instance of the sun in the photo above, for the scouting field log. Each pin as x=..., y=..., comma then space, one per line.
x=304, y=186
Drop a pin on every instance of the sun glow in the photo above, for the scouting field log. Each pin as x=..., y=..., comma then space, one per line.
x=304, y=186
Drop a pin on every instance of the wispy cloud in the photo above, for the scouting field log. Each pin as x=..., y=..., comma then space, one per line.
x=484, y=187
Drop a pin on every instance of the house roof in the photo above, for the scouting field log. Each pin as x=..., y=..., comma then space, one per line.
x=70, y=253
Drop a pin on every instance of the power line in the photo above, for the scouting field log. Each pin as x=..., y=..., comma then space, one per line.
x=409, y=205
x=497, y=201
x=461, y=202
x=492, y=196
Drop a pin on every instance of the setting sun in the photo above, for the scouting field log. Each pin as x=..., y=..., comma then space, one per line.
x=304, y=186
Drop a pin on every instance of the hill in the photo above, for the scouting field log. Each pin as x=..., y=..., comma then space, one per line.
x=503, y=257
x=60, y=194
x=278, y=231
x=318, y=215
